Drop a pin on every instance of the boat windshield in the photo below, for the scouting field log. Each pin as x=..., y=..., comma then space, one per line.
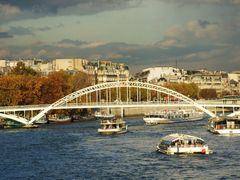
x=163, y=142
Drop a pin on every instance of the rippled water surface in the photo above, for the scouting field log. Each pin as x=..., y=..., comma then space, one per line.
x=76, y=151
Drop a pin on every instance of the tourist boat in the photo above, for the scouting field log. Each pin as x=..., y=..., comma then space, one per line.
x=182, y=144
x=224, y=125
x=59, y=119
x=172, y=116
x=112, y=125
x=155, y=118
x=100, y=115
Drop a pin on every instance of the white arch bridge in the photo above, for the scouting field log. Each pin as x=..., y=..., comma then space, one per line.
x=122, y=94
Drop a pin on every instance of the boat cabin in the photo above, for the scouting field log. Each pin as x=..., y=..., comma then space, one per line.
x=182, y=144
x=224, y=125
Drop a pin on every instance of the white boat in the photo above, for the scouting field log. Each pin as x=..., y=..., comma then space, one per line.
x=100, y=115
x=172, y=116
x=182, y=144
x=59, y=119
x=224, y=125
x=155, y=118
x=112, y=125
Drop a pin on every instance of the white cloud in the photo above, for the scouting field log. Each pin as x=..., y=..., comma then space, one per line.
x=220, y=58
x=194, y=32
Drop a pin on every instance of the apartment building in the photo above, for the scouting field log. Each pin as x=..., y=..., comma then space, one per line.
x=209, y=80
x=101, y=70
x=162, y=74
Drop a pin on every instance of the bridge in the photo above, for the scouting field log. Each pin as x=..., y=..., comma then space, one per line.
x=122, y=94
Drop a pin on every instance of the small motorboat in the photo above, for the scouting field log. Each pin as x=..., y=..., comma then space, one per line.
x=182, y=144
x=224, y=125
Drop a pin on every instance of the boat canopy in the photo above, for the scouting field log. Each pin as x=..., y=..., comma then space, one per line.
x=175, y=137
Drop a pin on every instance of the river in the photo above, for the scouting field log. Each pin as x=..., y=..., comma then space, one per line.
x=77, y=151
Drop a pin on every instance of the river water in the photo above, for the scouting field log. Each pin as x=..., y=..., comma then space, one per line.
x=77, y=151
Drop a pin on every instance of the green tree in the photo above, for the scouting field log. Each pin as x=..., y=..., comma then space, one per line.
x=21, y=69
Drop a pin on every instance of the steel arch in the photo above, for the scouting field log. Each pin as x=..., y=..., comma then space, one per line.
x=15, y=118
x=117, y=84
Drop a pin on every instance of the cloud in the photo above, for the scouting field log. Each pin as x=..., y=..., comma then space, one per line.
x=193, y=44
x=31, y=9
x=20, y=31
x=46, y=28
x=199, y=2
x=42, y=53
x=7, y=10
x=79, y=44
x=5, y=35
x=198, y=32
x=219, y=58
x=71, y=43
x=4, y=53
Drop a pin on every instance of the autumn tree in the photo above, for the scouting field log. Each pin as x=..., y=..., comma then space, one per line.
x=55, y=86
x=208, y=93
x=10, y=93
x=30, y=89
x=190, y=90
x=80, y=80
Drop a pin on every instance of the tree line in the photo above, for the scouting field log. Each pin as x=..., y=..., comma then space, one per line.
x=25, y=86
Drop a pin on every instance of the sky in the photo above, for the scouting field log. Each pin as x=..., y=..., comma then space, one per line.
x=189, y=34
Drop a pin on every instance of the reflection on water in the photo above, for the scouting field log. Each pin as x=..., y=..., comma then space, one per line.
x=76, y=151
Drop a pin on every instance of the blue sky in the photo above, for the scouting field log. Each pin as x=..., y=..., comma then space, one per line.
x=195, y=33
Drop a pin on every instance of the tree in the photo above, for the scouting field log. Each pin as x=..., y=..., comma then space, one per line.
x=190, y=90
x=21, y=69
x=10, y=93
x=30, y=89
x=55, y=86
x=208, y=93
x=80, y=80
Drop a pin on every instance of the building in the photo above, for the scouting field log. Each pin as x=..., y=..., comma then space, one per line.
x=68, y=64
x=210, y=80
x=100, y=71
x=107, y=71
x=167, y=74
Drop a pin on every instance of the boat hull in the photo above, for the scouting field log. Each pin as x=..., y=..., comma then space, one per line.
x=184, y=150
x=64, y=120
x=225, y=131
x=167, y=117
x=111, y=131
x=156, y=120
